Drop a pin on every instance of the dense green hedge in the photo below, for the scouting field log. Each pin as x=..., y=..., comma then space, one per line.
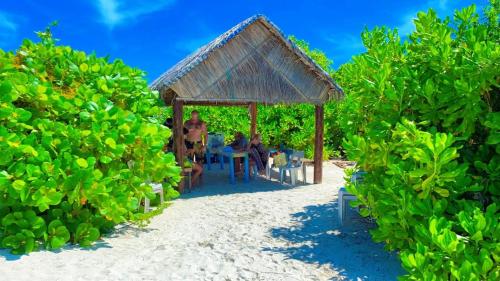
x=70, y=125
x=422, y=119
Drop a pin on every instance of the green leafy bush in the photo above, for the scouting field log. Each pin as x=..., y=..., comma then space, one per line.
x=422, y=119
x=72, y=125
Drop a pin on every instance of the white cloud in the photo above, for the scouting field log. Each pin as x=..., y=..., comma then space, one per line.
x=8, y=29
x=343, y=46
x=441, y=7
x=345, y=43
x=407, y=26
x=6, y=22
x=117, y=12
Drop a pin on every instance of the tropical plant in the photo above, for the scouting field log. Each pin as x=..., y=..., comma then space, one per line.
x=77, y=143
x=422, y=119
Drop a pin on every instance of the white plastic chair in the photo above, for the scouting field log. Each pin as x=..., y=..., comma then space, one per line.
x=344, y=196
x=157, y=188
x=293, y=167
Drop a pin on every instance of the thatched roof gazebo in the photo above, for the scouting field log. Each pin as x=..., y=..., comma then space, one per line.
x=251, y=63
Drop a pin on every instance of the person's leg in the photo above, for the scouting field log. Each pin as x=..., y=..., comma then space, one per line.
x=264, y=157
x=197, y=170
x=200, y=157
x=265, y=160
x=254, y=154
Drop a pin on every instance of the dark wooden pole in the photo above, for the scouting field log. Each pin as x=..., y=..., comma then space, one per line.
x=252, y=108
x=318, y=144
x=179, y=138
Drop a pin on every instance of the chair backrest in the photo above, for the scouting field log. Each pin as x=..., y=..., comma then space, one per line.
x=296, y=158
x=228, y=149
x=280, y=160
x=297, y=155
x=215, y=140
x=288, y=152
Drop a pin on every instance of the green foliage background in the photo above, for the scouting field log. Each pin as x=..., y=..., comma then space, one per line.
x=422, y=119
x=77, y=143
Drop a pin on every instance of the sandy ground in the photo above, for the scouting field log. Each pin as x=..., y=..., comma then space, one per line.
x=249, y=231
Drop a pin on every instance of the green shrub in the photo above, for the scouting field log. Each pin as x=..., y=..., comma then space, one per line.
x=422, y=119
x=71, y=124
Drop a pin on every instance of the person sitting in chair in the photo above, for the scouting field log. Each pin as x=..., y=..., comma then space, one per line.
x=239, y=144
x=193, y=162
x=197, y=170
x=258, y=153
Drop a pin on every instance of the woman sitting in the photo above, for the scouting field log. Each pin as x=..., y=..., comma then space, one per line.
x=240, y=143
x=258, y=153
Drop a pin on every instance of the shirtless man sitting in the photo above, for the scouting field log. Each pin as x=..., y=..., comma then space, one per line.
x=197, y=135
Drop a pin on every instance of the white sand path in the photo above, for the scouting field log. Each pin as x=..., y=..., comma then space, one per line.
x=255, y=231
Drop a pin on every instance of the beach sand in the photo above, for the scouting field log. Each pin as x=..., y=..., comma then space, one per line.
x=248, y=231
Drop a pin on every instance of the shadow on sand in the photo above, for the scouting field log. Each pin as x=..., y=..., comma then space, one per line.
x=119, y=230
x=216, y=183
x=316, y=237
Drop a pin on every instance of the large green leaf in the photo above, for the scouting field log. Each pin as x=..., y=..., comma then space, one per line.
x=58, y=234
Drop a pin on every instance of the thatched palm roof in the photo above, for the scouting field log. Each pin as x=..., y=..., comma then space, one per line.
x=251, y=62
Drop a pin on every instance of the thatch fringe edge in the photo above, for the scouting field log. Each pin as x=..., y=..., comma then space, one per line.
x=159, y=83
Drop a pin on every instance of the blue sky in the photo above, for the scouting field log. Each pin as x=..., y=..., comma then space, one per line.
x=154, y=35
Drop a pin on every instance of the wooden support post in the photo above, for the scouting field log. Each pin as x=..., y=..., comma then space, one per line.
x=318, y=144
x=179, y=138
x=252, y=108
